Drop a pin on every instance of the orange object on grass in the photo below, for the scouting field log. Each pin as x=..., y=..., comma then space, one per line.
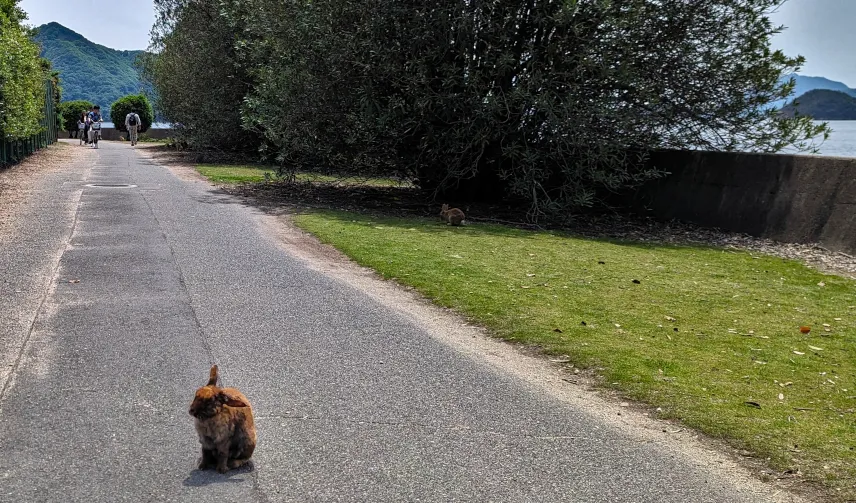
x=805, y=330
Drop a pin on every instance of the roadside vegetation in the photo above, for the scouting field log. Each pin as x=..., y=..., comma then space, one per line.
x=22, y=77
x=70, y=112
x=230, y=174
x=553, y=102
x=707, y=336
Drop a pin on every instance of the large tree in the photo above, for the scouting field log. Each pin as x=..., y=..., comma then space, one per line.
x=550, y=101
x=199, y=85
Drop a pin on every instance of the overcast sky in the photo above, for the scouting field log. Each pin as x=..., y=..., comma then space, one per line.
x=821, y=30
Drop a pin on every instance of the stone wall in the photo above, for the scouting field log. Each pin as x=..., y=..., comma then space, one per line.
x=111, y=134
x=792, y=198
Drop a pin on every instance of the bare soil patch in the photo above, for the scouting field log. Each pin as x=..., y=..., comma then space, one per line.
x=18, y=181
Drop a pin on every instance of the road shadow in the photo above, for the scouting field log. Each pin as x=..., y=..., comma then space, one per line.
x=201, y=478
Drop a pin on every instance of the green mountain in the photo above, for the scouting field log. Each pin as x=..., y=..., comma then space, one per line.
x=89, y=71
x=823, y=104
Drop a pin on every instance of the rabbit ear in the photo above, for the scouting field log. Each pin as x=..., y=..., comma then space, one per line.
x=445, y=207
x=232, y=401
x=212, y=376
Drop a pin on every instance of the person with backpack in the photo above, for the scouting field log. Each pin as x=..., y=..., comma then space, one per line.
x=132, y=124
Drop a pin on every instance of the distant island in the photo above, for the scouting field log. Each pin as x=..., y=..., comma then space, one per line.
x=805, y=83
x=89, y=71
x=823, y=104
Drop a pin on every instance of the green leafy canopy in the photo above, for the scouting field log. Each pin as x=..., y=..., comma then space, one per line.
x=136, y=103
x=71, y=111
x=22, y=76
x=550, y=101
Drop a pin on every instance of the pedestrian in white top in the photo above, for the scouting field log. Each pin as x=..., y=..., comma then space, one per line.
x=132, y=124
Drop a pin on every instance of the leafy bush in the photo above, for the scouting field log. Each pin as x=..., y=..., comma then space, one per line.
x=22, y=76
x=137, y=103
x=200, y=83
x=70, y=112
x=549, y=101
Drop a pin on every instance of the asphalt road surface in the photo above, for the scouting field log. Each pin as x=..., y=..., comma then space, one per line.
x=116, y=300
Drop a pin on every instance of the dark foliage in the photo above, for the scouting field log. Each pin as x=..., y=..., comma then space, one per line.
x=70, y=112
x=549, y=101
x=823, y=104
x=199, y=83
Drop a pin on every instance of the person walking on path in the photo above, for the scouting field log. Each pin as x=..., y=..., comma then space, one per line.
x=84, y=128
x=132, y=124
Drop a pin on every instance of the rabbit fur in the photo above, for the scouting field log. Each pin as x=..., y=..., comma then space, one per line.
x=224, y=421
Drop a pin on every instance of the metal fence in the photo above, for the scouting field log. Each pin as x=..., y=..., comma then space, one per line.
x=12, y=151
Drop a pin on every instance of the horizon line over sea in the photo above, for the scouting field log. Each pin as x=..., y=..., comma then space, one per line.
x=842, y=140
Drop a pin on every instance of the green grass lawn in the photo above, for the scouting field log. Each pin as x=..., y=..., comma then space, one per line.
x=235, y=174
x=709, y=335
x=220, y=173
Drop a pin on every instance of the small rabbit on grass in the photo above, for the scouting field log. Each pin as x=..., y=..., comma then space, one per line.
x=224, y=422
x=452, y=216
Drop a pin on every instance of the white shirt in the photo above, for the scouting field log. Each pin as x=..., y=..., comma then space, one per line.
x=128, y=120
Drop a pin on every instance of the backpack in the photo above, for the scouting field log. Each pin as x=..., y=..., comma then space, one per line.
x=132, y=120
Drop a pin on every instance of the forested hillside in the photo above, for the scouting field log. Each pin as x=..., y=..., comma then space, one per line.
x=822, y=104
x=89, y=71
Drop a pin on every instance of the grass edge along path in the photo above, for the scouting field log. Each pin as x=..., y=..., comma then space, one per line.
x=709, y=336
x=243, y=173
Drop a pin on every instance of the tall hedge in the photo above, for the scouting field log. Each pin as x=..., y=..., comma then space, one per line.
x=137, y=103
x=22, y=76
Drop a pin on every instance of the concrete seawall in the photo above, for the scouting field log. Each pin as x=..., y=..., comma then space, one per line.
x=112, y=134
x=792, y=198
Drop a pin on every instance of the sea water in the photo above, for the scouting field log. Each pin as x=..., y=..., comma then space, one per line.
x=841, y=141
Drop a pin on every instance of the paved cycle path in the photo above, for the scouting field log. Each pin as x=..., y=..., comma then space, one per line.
x=155, y=282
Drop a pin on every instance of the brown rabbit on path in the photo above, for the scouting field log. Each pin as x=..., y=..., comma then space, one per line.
x=224, y=422
x=453, y=216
